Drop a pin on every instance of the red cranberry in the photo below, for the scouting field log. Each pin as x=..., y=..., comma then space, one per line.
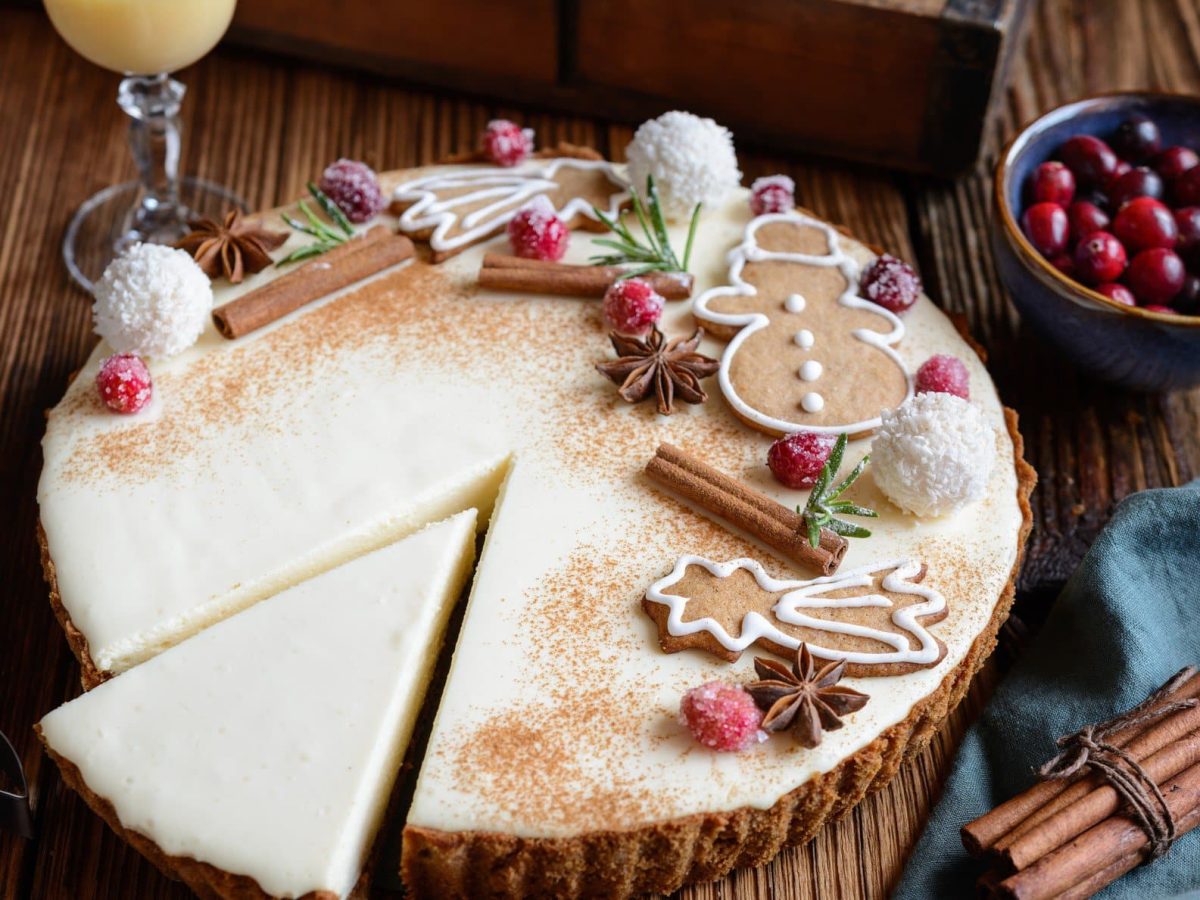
x=1122, y=168
x=1084, y=218
x=1137, y=139
x=1092, y=160
x=1094, y=196
x=1100, y=257
x=1065, y=263
x=1117, y=292
x=1187, y=301
x=1174, y=161
x=1053, y=183
x=1159, y=308
x=1045, y=224
x=1185, y=190
x=1155, y=276
x=1143, y=223
x=1187, y=220
x=1139, y=182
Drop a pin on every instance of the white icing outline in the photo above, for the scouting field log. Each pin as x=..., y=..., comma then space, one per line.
x=801, y=596
x=748, y=323
x=515, y=186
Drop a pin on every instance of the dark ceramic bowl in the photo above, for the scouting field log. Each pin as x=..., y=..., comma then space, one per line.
x=1126, y=345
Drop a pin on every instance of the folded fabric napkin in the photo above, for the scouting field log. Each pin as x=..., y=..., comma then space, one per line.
x=1127, y=621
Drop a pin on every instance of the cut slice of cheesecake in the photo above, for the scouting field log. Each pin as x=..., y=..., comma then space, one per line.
x=257, y=757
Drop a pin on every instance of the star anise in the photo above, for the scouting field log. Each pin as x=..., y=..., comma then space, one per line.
x=655, y=366
x=232, y=247
x=805, y=698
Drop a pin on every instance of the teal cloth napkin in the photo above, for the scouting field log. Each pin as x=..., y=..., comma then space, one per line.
x=1127, y=621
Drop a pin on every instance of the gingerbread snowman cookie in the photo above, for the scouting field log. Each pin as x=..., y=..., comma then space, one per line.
x=805, y=352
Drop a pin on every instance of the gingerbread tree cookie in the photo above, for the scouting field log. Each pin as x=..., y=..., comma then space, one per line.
x=805, y=352
x=873, y=617
x=455, y=208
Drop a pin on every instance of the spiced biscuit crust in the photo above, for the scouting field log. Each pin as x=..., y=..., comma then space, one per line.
x=666, y=855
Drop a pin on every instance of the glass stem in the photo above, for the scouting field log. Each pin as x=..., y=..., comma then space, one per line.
x=152, y=103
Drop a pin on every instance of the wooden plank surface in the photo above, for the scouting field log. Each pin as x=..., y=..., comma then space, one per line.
x=264, y=126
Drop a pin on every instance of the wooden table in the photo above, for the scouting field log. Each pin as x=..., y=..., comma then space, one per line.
x=264, y=126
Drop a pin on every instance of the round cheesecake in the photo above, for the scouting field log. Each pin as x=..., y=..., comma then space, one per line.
x=556, y=763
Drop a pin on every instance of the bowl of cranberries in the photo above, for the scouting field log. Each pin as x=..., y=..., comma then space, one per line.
x=1097, y=237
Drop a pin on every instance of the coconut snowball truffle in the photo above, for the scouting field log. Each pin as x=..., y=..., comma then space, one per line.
x=933, y=454
x=691, y=159
x=152, y=301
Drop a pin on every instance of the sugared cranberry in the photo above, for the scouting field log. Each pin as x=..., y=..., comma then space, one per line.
x=506, y=143
x=536, y=231
x=1099, y=257
x=352, y=185
x=1143, y=223
x=1185, y=190
x=1174, y=161
x=1187, y=222
x=1084, y=218
x=1092, y=160
x=1187, y=301
x=891, y=283
x=1139, y=182
x=721, y=717
x=1045, y=224
x=632, y=307
x=124, y=383
x=772, y=194
x=1137, y=139
x=1117, y=292
x=943, y=374
x=1053, y=183
x=796, y=460
x=1155, y=276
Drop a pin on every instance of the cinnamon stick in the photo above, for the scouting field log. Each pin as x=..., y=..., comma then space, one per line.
x=742, y=506
x=1010, y=820
x=378, y=249
x=1101, y=852
x=1099, y=804
x=536, y=276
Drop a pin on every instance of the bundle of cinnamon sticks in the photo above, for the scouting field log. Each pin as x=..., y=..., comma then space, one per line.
x=1070, y=838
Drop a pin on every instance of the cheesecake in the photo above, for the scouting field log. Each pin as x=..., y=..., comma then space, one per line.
x=257, y=757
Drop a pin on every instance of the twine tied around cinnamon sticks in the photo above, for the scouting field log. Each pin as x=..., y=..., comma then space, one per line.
x=1087, y=748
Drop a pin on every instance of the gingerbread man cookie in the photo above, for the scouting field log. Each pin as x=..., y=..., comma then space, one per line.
x=873, y=617
x=805, y=352
x=455, y=208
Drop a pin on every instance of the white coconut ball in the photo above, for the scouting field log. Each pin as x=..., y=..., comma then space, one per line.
x=152, y=301
x=933, y=454
x=691, y=159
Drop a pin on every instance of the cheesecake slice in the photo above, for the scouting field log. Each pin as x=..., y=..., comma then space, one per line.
x=257, y=758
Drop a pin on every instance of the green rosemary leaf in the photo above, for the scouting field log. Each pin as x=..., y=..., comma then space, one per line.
x=850, y=479
x=320, y=228
x=835, y=457
x=814, y=533
x=301, y=227
x=331, y=209
x=687, y=248
x=305, y=252
x=660, y=224
x=845, y=507
x=845, y=529
x=653, y=248
x=640, y=211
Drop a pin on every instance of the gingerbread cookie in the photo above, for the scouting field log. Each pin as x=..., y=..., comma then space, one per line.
x=873, y=617
x=805, y=352
x=453, y=209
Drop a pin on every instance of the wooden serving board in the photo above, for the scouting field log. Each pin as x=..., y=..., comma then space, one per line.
x=265, y=126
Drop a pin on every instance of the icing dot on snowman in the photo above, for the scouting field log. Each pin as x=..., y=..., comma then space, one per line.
x=811, y=370
x=804, y=338
x=812, y=402
x=794, y=303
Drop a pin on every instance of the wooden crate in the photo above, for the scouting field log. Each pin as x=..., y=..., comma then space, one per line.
x=900, y=83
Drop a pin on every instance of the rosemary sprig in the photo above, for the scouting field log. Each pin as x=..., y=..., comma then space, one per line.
x=823, y=505
x=652, y=252
x=326, y=237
